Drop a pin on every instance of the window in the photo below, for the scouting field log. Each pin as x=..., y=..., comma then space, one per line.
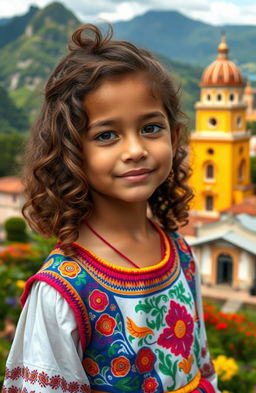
x=231, y=97
x=212, y=122
x=210, y=151
x=241, y=170
x=208, y=97
x=239, y=121
x=209, y=202
x=209, y=171
x=219, y=97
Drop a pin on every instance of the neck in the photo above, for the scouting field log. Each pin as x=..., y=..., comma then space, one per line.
x=120, y=217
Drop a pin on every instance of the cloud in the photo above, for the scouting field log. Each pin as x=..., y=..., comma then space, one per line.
x=210, y=11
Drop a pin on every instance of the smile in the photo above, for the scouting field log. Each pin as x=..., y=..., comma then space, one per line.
x=136, y=175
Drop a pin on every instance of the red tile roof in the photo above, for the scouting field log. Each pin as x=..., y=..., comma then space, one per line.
x=11, y=185
x=194, y=221
x=247, y=206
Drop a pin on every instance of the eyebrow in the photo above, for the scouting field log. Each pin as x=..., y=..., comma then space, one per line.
x=110, y=122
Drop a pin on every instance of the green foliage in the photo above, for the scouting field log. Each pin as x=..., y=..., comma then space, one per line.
x=12, y=118
x=253, y=169
x=11, y=151
x=15, y=228
x=251, y=125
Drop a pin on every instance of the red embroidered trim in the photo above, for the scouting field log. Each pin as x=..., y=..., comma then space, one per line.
x=43, y=379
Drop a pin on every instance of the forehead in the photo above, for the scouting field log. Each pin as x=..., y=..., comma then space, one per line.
x=129, y=95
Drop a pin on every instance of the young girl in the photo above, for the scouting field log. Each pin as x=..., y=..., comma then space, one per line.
x=116, y=306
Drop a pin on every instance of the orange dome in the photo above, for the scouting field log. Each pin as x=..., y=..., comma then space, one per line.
x=249, y=89
x=222, y=71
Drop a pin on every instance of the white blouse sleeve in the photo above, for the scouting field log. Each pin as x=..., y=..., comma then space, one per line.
x=206, y=366
x=46, y=354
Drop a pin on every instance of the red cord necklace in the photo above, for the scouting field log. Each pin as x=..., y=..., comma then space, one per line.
x=119, y=252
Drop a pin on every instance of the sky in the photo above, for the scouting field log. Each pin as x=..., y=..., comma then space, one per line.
x=210, y=11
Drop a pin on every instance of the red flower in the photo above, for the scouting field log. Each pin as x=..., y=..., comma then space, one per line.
x=43, y=379
x=98, y=300
x=73, y=387
x=179, y=335
x=188, y=274
x=55, y=381
x=145, y=360
x=182, y=244
x=120, y=366
x=91, y=367
x=106, y=325
x=221, y=326
x=249, y=333
x=150, y=385
x=192, y=266
x=206, y=316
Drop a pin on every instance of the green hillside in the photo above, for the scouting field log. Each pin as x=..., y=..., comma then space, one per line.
x=26, y=62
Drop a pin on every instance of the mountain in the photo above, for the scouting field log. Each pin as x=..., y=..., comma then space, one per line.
x=183, y=39
x=12, y=28
x=26, y=62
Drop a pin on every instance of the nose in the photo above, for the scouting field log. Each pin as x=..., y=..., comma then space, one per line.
x=133, y=149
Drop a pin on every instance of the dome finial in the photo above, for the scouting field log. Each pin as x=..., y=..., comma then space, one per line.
x=223, y=48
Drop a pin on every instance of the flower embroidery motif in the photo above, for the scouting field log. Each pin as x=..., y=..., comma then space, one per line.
x=145, y=360
x=120, y=366
x=182, y=245
x=150, y=385
x=91, y=367
x=105, y=325
x=178, y=337
x=136, y=330
x=192, y=266
x=186, y=364
x=98, y=300
x=69, y=269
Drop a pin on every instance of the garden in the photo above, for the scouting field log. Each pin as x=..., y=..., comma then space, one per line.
x=231, y=337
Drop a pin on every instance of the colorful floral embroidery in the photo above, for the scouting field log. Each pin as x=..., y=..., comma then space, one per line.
x=150, y=385
x=137, y=331
x=145, y=360
x=43, y=379
x=208, y=369
x=98, y=300
x=91, y=367
x=69, y=269
x=179, y=335
x=106, y=325
x=186, y=364
x=120, y=366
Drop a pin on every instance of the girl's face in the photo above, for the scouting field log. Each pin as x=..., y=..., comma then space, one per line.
x=129, y=146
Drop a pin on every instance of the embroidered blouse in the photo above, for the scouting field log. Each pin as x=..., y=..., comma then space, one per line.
x=90, y=326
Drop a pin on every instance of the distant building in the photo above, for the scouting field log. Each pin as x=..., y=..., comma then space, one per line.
x=222, y=225
x=250, y=103
x=219, y=146
x=11, y=199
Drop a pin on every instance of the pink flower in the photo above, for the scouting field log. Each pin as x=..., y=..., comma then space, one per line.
x=98, y=300
x=150, y=385
x=178, y=336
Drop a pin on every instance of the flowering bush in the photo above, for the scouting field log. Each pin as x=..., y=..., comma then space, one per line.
x=232, y=342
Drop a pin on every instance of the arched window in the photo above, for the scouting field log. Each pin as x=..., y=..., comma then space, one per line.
x=209, y=202
x=209, y=171
x=219, y=97
x=241, y=170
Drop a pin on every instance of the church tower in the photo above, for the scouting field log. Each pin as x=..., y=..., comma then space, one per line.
x=219, y=146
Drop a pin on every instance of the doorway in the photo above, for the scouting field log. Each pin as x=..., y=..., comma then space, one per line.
x=224, y=269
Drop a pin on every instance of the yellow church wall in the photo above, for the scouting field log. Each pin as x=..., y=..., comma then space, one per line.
x=223, y=120
x=220, y=186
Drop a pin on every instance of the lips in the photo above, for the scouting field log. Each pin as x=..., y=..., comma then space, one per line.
x=136, y=172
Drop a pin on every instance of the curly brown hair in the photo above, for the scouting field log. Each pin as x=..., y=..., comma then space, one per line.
x=55, y=183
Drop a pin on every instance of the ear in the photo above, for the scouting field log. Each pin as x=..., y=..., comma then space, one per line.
x=175, y=138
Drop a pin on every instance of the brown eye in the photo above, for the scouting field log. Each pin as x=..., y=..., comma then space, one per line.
x=106, y=136
x=151, y=129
